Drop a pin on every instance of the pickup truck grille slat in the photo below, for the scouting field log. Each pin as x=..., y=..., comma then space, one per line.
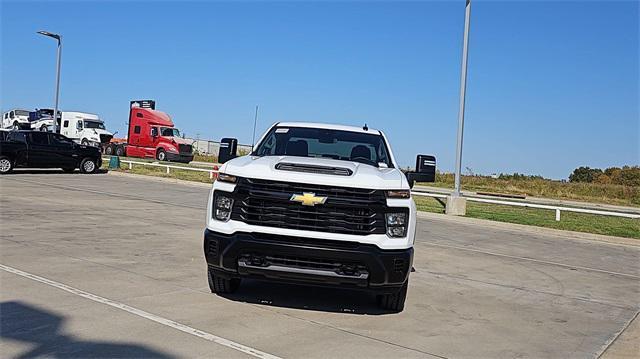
x=346, y=210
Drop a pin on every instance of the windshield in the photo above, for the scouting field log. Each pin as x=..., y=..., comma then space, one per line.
x=324, y=143
x=93, y=124
x=169, y=131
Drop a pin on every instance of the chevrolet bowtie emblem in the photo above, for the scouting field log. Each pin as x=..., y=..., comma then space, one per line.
x=308, y=199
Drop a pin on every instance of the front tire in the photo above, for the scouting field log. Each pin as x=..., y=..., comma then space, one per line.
x=108, y=150
x=161, y=155
x=43, y=128
x=88, y=165
x=85, y=142
x=394, y=301
x=6, y=165
x=16, y=126
x=221, y=285
x=120, y=151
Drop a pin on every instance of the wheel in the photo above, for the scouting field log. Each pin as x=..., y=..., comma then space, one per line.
x=16, y=126
x=120, y=151
x=43, y=128
x=394, y=301
x=161, y=155
x=6, y=165
x=221, y=285
x=88, y=165
x=85, y=142
x=108, y=150
x=69, y=170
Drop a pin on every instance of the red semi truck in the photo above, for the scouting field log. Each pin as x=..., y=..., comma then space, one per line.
x=152, y=135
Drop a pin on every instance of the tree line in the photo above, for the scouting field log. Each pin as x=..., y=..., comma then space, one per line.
x=626, y=176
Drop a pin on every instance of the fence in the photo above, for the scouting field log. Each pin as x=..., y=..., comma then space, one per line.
x=557, y=209
x=211, y=172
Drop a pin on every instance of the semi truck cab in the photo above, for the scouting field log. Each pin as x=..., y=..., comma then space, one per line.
x=152, y=134
x=85, y=128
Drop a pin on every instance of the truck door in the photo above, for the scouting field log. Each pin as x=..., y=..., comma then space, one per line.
x=78, y=130
x=65, y=130
x=155, y=140
x=61, y=151
x=38, y=151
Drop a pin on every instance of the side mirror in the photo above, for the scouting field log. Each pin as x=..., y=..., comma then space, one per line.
x=425, y=170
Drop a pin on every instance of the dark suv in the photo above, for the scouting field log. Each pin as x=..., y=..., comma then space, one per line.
x=35, y=149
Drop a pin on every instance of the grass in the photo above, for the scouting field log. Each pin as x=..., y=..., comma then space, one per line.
x=540, y=187
x=570, y=221
x=205, y=158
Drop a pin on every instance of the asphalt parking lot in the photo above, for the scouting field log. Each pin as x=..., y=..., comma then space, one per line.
x=105, y=265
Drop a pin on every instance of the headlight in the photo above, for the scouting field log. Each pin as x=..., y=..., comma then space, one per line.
x=222, y=205
x=401, y=193
x=223, y=177
x=396, y=224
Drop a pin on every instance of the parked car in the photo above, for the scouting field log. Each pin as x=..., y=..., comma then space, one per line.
x=35, y=149
x=315, y=204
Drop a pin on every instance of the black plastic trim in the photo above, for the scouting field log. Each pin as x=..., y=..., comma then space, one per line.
x=388, y=269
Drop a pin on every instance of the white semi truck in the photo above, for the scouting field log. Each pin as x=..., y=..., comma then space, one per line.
x=315, y=204
x=85, y=128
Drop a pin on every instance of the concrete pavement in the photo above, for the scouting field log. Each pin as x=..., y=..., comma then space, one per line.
x=478, y=290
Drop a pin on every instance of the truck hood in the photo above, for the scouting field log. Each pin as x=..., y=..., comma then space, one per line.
x=178, y=140
x=362, y=175
x=98, y=131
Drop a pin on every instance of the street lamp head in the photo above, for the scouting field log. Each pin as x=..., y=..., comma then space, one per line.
x=47, y=33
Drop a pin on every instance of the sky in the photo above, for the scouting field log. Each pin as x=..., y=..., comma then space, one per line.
x=551, y=85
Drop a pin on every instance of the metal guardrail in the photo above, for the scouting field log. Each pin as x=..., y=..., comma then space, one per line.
x=557, y=209
x=211, y=172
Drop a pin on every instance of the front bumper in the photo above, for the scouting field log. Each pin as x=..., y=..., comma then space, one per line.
x=305, y=260
x=177, y=157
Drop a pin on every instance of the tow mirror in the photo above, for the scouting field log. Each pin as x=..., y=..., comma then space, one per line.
x=425, y=170
x=228, y=149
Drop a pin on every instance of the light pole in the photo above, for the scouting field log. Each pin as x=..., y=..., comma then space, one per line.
x=457, y=203
x=55, y=110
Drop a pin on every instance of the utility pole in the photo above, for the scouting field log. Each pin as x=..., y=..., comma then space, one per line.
x=55, y=111
x=456, y=204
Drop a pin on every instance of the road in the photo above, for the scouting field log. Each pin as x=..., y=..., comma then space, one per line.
x=105, y=265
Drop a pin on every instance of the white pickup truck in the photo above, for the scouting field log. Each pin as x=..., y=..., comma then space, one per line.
x=314, y=204
x=15, y=119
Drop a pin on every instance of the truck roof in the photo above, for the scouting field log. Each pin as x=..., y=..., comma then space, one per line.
x=328, y=126
x=155, y=117
x=83, y=115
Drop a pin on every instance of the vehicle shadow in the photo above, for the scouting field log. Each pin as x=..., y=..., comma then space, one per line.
x=43, y=331
x=306, y=297
x=53, y=171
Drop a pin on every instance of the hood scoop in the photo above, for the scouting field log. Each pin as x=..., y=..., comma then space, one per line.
x=327, y=170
